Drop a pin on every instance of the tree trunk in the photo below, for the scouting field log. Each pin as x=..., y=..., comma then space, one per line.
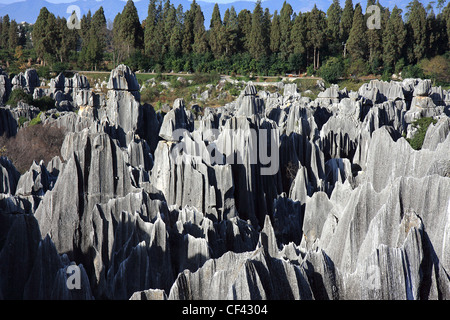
x=318, y=59
x=314, y=58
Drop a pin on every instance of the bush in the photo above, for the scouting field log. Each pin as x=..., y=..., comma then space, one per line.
x=358, y=68
x=332, y=70
x=45, y=103
x=150, y=94
x=422, y=125
x=59, y=67
x=412, y=71
x=18, y=95
x=43, y=72
x=437, y=69
x=399, y=65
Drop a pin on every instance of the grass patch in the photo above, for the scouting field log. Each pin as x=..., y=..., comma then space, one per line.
x=36, y=121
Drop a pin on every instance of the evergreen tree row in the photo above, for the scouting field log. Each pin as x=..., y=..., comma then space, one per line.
x=170, y=38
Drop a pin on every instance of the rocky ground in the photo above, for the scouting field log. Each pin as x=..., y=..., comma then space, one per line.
x=142, y=208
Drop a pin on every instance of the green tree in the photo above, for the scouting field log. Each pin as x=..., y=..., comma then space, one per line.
x=258, y=38
x=45, y=36
x=13, y=36
x=394, y=37
x=5, y=32
x=245, y=27
x=150, y=28
x=417, y=31
x=217, y=36
x=332, y=70
x=67, y=40
x=231, y=25
x=176, y=35
x=285, y=30
x=374, y=40
x=446, y=22
x=94, y=43
x=200, y=45
x=357, y=41
x=298, y=34
x=334, y=13
x=316, y=28
x=131, y=31
x=346, y=23
x=275, y=33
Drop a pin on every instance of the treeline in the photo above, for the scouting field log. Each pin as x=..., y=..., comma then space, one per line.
x=259, y=41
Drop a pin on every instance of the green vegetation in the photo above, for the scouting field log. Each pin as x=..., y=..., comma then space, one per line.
x=18, y=95
x=335, y=43
x=332, y=70
x=422, y=125
x=36, y=120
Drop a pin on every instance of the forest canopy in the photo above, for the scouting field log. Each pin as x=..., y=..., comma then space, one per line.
x=336, y=43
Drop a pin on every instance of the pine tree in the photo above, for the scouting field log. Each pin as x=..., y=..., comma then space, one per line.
x=346, y=21
x=67, y=40
x=200, y=45
x=334, y=13
x=176, y=35
x=45, y=35
x=374, y=40
x=231, y=25
x=13, y=36
x=275, y=33
x=298, y=34
x=417, y=31
x=285, y=30
x=130, y=28
x=85, y=24
x=394, y=36
x=188, y=30
x=357, y=42
x=316, y=28
x=5, y=32
x=94, y=43
x=258, y=38
x=434, y=33
x=245, y=27
x=150, y=28
x=118, y=45
x=217, y=34
x=446, y=23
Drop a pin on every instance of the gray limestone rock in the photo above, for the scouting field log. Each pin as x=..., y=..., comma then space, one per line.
x=9, y=176
x=122, y=78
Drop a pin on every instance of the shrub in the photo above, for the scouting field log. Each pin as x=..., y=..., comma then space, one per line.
x=22, y=120
x=332, y=70
x=358, y=68
x=45, y=103
x=437, y=69
x=150, y=94
x=19, y=95
x=422, y=125
x=412, y=71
